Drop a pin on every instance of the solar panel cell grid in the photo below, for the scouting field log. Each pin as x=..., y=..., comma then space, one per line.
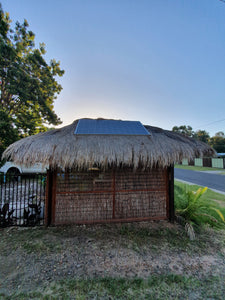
x=117, y=127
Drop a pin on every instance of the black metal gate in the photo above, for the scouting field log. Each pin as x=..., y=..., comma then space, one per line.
x=22, y=199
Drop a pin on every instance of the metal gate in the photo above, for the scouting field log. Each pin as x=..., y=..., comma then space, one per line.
x=22, y=199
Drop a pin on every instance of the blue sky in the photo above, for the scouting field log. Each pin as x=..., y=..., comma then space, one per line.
x=161, y=62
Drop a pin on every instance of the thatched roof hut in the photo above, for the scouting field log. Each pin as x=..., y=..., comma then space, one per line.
x=107, y=177
x=62, y=148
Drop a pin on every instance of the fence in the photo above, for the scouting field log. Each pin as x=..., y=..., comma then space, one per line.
x=206, y=162
x=22, y=200
x=198, y=162
x=218, y=163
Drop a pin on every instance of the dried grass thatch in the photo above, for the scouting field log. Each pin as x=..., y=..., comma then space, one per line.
x=62, y=148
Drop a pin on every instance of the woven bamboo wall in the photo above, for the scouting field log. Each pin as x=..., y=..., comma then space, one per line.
x=110, y=196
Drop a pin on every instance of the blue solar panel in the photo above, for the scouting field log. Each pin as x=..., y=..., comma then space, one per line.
x=117, y=127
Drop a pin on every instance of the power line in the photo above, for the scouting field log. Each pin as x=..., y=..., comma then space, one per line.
x=211, y=123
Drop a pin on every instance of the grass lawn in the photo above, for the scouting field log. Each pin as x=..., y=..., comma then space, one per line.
x=210, y=196
x=194, y=168
x=155, y=287
x=40, y=262
x=147, y=260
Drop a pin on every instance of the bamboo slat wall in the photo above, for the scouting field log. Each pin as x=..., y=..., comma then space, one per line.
x=87, y=197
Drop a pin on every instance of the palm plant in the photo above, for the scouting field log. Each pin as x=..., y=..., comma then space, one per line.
x=194, y=211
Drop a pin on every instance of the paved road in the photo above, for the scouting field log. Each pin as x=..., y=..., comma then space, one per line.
x=212, y=181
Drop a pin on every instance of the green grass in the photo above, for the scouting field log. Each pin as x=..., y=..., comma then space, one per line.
x=44, y=242
x=54, y=240
x=195, y=168
x=210, y=199
x=30, y=240
x=129, y=236
x=141, y=240
x=169, y=286
x=209, y=196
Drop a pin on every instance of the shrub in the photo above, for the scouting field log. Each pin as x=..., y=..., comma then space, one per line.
x=190, y=205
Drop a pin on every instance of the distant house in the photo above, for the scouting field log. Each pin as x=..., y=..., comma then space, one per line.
x=220, y=154
x=107, y=170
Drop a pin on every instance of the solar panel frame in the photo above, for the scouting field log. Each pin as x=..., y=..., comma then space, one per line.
x=110, y=127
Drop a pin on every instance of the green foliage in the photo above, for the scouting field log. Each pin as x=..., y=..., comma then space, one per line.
x=202, y=135
x=8, y=134
x=183, y=129
x=190, y=205
x=220, y=133
x=28, y=83
x=218, y=142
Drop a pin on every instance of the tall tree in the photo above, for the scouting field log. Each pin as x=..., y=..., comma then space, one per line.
x=220, y=133
x=8, y=134
x=28, y=86
x=202, y=135
x=218, y=142
x=185, y=130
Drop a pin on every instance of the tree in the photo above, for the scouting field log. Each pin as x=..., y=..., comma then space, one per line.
x=202, y=135
x=8, y=134
x=185, y=130
x=220, y=133
x=218, y=142
x=28, y=85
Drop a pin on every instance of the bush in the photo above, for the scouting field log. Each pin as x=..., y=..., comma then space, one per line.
x=190, y=205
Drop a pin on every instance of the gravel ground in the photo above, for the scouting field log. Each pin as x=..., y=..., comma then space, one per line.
x=33, y=257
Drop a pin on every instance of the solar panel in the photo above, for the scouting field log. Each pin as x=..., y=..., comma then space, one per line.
x=116, y=127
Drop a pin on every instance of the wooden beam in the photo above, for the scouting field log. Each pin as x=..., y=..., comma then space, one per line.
x=126, y=220
x=48, y=201
x=171, y=193
x=110, y=191
x=54, y=179
x=166, y=178
x=114, y=194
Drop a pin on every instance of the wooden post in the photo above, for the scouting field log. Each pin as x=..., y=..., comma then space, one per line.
x=114, y=194
x=54, y=178
x=171, y=193
x=50, y=198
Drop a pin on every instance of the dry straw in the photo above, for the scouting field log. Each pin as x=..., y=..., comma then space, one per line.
x=62, y=148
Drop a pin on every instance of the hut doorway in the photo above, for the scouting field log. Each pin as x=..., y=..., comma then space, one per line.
x=112, y=196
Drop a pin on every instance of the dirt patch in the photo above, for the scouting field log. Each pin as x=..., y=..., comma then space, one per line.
x=32, y=257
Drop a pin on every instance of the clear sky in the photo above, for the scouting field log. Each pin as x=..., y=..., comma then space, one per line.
x=161, y=62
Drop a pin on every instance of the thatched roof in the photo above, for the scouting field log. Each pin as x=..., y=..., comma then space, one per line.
x=62, y=148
